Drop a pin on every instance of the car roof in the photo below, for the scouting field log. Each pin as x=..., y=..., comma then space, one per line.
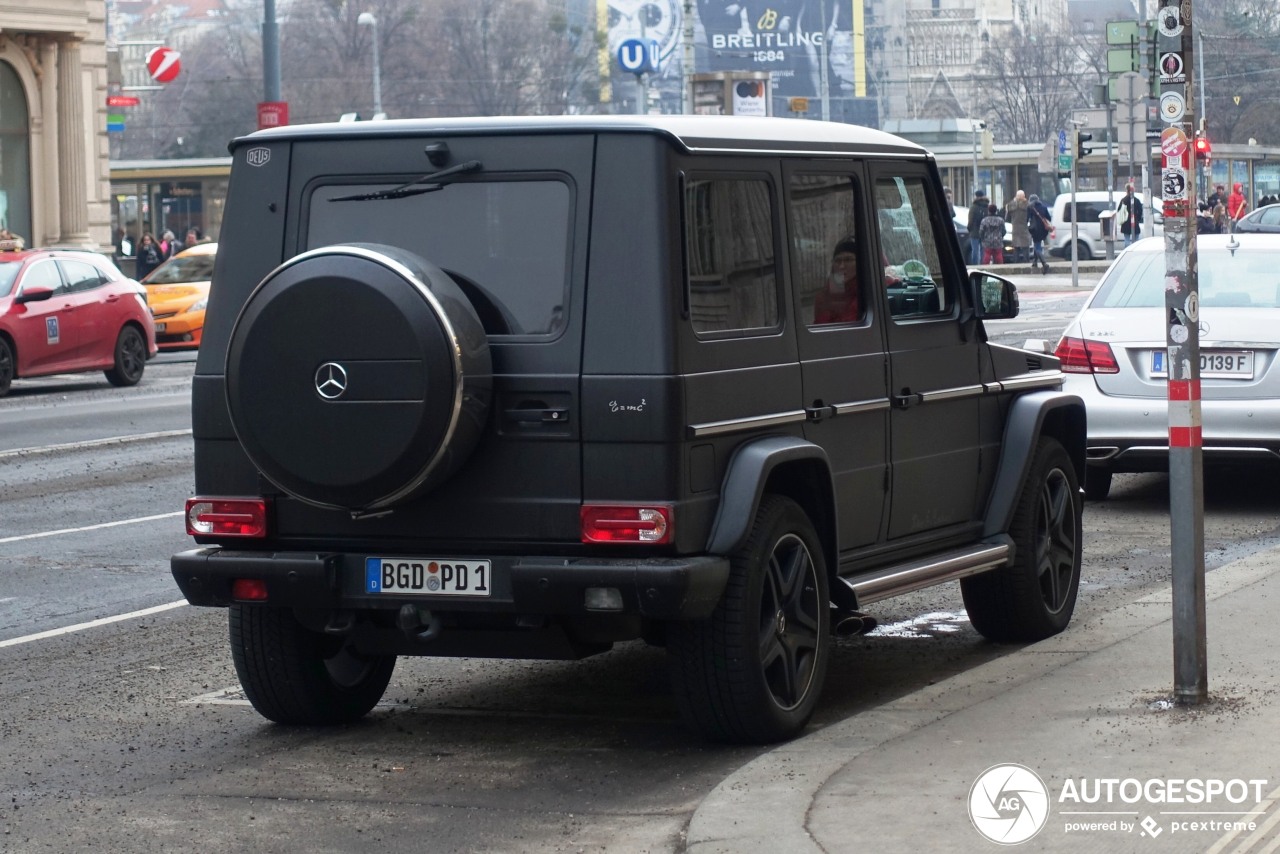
x=694, y=133
x=56, y=251
x=1245, y=240
x=199, y=249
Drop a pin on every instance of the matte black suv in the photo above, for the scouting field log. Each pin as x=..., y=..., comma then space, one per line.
x=529, y=387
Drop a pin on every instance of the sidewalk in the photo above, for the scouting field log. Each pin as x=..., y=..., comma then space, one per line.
x=1087, y=705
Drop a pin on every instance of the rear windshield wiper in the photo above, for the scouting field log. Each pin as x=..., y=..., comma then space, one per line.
x=433, y=182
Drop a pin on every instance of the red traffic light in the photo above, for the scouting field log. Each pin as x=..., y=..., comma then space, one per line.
x=1203, y=149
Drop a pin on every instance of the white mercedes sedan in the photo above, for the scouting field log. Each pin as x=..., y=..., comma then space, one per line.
x=1115, y=356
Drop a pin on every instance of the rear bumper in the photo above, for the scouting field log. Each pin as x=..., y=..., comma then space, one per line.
x=658, y=588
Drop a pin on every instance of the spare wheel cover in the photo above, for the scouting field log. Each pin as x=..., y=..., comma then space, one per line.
x=358, y=376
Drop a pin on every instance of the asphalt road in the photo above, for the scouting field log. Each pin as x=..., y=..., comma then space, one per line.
x=132, y=735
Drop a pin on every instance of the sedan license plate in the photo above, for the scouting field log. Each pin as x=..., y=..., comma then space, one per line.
x=1229, y=364
x=432, y=576
x=159, y=327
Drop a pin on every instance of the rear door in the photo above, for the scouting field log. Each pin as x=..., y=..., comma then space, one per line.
x=841, y=338
x=97, y=313
x=512, y=232
x=934, y=380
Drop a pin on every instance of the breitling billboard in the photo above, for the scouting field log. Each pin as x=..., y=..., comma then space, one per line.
x=807, y=46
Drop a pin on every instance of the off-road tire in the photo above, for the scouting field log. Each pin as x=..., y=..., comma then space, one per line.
x=293, y=675
x=754, y=671
x=130, y=358
x=8, y=366
x=1033, y=597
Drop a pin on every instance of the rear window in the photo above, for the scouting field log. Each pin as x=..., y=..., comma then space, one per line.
x=506, y=242
x=1241, y=279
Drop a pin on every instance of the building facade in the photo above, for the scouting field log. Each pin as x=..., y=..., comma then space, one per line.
x=923, y=55
x=54, y=170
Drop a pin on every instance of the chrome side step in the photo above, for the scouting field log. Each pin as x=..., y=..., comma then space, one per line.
x=917, y=575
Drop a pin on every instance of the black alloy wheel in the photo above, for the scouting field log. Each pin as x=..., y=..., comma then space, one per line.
x=130, y=358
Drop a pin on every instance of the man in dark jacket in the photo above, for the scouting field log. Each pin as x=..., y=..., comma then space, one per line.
x=977, y=212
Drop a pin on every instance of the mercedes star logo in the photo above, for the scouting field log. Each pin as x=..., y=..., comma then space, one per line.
x=331, y=380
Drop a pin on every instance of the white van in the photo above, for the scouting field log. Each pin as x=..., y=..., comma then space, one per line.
x=1089, y=204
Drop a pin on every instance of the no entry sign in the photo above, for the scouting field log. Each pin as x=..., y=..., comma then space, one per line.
x=163, y=64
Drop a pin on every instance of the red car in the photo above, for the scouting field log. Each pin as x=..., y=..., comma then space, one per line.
x=63, y=311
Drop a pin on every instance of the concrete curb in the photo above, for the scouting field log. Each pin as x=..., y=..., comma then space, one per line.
x=766, y=803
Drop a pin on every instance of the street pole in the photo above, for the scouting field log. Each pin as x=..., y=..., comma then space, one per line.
x=973, y=126
x=270, y=52
x=1182, y=310
x=1075, y=220
x=687, y=63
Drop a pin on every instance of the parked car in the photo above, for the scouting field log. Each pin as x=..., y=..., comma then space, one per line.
x=65, y=311
x=1265, y=219
x=178, y=293
x=564, y=391
x=1089, y=206
x=1114, y=353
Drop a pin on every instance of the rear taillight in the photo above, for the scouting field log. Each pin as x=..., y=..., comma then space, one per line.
x=626, y=523
x=1083, y=356
x=226, y=517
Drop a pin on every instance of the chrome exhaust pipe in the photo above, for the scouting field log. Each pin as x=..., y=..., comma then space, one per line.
x=850, y=623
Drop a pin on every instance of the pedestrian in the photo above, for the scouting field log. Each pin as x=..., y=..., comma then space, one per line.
x=1219, y=218
x=1219, y=195
x=951, y=204
x=991, y=234
x=1040, y=227
x=1237, y=206
x=977, y=212
x=1016, y=212
x=149, y=257
x=1129, y=212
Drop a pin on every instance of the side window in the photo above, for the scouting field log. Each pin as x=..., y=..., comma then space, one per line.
x=825, y=250
x=729, y=247
x=44, y=274
x=913, y=273
x=80, y=275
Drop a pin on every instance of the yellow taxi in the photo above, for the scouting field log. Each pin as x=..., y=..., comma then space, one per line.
x=178, y=292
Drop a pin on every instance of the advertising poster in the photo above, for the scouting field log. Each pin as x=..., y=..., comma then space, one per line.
x=793, y=40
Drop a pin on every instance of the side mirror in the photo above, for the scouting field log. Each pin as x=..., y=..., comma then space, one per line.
x=35, y=293
x=994, y=297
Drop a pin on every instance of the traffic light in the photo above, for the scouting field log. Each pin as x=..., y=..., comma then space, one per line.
x=1081, y=139
x=1204, y=150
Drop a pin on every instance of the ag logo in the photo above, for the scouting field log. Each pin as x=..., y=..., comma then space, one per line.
x=1008, y=804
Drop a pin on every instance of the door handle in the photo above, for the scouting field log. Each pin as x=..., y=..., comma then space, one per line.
x=537, y=416
x=906, y=399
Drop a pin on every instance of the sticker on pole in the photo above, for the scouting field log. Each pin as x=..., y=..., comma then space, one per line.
x=1173, y=183
x=1172, y=106
x=1171, y=68
x=1173, y=143
x=1170, y=21
x=163, y=64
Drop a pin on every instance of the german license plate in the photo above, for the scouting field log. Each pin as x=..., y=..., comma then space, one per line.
x=1231, y=364
x=159, y=327
x=432, y=576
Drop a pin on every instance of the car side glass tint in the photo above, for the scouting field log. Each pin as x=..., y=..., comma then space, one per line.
x=730, y=251
x=80, y=276
x=912, y=269
x=827, y=258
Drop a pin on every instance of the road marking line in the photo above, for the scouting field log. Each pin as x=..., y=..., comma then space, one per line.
x=21, y=537
x=93, y=443
x=92, y=624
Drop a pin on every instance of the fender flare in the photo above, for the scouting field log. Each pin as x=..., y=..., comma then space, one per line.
x=744, y=485
x=1052, y=413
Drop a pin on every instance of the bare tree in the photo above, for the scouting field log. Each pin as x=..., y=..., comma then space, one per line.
x=1241, y=40
x=1029, y=85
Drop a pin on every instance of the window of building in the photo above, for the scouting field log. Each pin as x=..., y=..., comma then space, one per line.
x=15, y=164
x=730, y=253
